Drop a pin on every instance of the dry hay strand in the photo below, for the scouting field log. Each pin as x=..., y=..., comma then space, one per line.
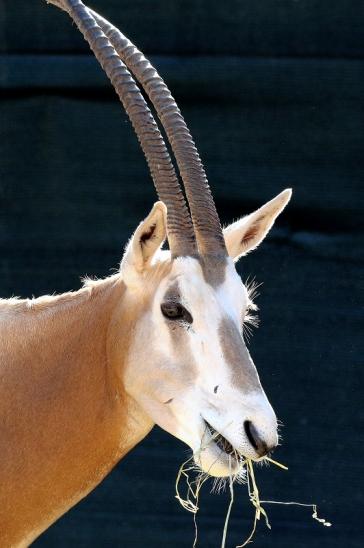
x=190, y=501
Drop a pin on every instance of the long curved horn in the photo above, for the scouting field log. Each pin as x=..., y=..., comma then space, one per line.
x=205, y=219
x=180, y=230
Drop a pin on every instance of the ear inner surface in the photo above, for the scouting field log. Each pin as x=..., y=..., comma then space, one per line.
x=247, y=233
x=149, y=236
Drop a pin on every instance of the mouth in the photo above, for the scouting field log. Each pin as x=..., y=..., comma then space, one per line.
x=221, y=442
x=217, y=457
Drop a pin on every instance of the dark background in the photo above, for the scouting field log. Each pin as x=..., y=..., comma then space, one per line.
x=273, y=93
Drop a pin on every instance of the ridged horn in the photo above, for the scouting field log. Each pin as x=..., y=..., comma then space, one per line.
x=181, y=235
x=205, y=219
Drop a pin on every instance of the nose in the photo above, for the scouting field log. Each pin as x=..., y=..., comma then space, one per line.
x=256, y=440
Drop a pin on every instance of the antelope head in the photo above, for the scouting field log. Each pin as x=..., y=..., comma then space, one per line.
x=187, y=364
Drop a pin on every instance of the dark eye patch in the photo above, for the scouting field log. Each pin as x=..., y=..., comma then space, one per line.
x=175, y=311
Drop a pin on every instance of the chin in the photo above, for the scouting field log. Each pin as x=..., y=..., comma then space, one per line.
x=217, y=463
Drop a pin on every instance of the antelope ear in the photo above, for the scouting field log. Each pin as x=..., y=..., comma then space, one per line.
x=247, y=233
x=145, y=242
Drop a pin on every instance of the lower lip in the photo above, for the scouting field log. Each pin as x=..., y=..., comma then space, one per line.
x=220, y=464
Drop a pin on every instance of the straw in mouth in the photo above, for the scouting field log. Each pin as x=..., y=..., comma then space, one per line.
x=221, y=441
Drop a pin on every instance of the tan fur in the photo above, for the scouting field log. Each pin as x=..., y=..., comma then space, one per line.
x=65, y=419
x=243, y=372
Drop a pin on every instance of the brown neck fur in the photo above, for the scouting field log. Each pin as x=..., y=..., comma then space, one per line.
x=65, y=419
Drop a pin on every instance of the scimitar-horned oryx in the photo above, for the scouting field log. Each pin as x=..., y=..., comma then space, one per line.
x=85, y=375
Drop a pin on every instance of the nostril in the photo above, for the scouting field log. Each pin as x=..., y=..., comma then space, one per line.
x=248, y=431
x=256, y=441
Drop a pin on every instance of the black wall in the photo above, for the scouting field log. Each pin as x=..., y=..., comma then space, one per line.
x=273, y=93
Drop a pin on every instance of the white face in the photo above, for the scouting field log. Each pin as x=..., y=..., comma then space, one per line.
x=190, y=370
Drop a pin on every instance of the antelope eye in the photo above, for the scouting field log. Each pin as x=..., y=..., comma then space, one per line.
x=175, y=311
